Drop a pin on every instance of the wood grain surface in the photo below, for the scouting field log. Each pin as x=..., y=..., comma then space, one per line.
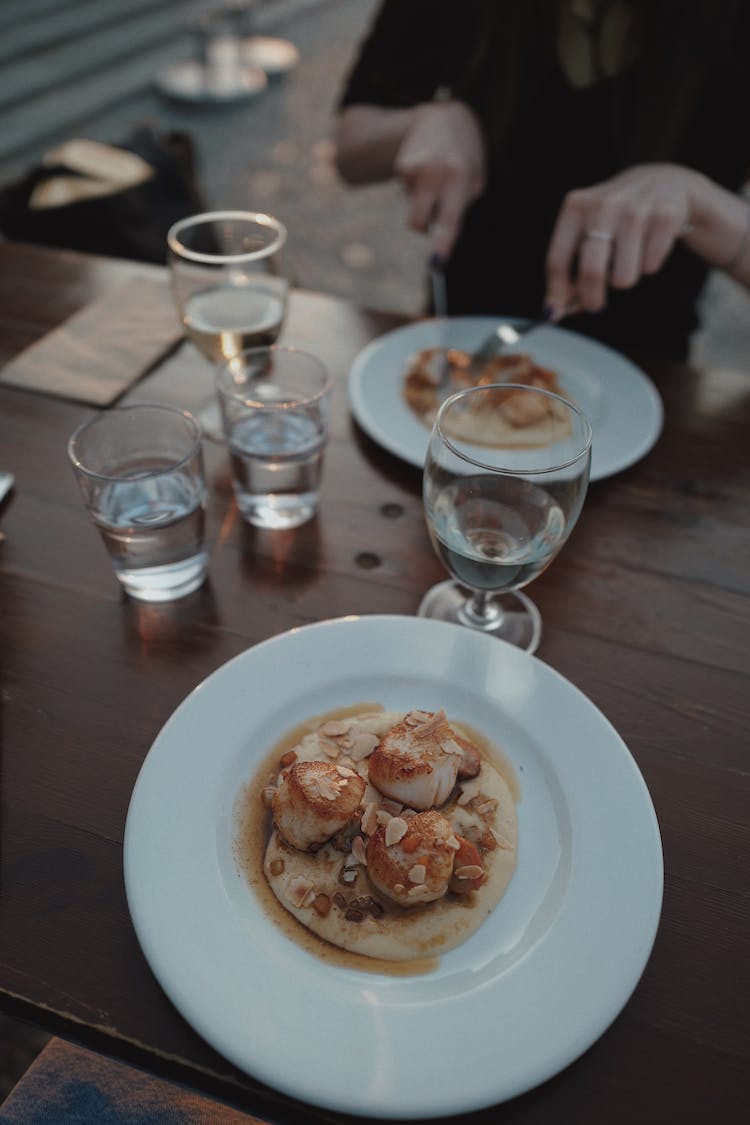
x=646, y=611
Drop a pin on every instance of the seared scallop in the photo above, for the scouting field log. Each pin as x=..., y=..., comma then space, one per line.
x=411, y=861
x=314, y=801
x=417, y=761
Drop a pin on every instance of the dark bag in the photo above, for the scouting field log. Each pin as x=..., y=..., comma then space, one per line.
x=132, y=223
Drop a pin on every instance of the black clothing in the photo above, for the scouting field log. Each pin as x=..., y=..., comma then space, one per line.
x=560, y=137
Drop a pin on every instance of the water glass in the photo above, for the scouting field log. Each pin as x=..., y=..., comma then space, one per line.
x=140, y=470
x=275, y=405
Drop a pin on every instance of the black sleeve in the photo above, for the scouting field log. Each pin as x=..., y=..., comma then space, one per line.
x=410, y=50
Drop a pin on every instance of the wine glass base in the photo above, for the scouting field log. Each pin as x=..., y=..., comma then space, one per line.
x=517, y=621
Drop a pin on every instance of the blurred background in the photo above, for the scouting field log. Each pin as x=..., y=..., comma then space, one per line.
x=100, y=69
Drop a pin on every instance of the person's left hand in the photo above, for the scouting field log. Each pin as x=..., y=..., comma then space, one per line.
x=613, y=233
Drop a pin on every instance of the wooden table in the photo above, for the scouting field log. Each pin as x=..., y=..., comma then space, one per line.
x=646, y=610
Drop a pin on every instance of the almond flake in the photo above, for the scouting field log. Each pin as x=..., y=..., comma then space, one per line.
x=414, y=891
x=351, y=860
x=451, y=747
x=452, y=843
x=431, y=726
x=326, y=788
x=363, y=745
x=399, y=888
x=469, y=871
x=344, y=771
x=393, y=807
x=408, y=813
x=486, y=806
x=414, y=718
x=371, y=795
x=358, y=850
x=383, y=817
x=335, y=727
x=501, y=840
x=418, y=873
x=329, y=747
x=395, y=830
x=369, y=820
x=298, y=891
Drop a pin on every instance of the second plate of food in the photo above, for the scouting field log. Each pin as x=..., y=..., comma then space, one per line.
x=620, y=401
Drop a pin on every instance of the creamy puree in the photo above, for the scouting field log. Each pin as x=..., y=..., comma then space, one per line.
x=328, y=891
x=504, y=425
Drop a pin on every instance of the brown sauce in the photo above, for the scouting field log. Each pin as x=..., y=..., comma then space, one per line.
x=253, y=825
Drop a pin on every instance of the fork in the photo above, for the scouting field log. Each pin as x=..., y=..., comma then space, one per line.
x=440, y=308
x=505, y=336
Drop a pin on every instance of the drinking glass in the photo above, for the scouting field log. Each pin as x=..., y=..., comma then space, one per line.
x=275, y=406
x=230, y=285
x=505, y=478
x=140, y=471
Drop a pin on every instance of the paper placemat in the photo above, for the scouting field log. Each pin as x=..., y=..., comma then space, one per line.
x=104, y=348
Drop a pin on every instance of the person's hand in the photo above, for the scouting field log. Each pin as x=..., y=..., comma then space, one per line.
x=613, y=233
x=441, y=161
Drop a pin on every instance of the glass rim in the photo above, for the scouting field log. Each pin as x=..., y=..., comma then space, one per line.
x=259, y=218
x=469, y=459
x=90, y=423
x=267, y=404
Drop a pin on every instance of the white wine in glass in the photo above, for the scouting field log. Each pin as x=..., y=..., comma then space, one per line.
x=230, y=284
x=501, y=497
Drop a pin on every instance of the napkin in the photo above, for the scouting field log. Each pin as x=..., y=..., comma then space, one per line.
x=100, y=351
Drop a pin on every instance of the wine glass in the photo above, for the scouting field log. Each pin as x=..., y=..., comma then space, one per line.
x=230, y=286
x=505, y=478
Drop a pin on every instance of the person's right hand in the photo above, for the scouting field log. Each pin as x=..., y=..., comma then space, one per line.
x=441, y=161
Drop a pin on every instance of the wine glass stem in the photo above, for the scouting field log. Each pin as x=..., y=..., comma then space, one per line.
x=480, y=611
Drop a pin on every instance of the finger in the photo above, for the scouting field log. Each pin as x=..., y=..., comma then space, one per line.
x=450, y=206
x=422, y=207
x=627, y=252
x=594, y=256
x=560, y=259
x=660, y=238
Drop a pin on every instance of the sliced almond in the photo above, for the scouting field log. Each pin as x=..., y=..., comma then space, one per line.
x=330, y=748
x=298, y=890
x=468, y=871
x=335, y=727
x=417, y=873
x=395, y=830
x=358, y=850
x=363, y=745
x=369, y=820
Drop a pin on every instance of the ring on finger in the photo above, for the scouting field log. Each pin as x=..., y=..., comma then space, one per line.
x=600, y=235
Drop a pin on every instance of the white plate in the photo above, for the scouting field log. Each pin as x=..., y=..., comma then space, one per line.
x=188, y=82
x=274, y=56
x=621, y=403
x=528, y=993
